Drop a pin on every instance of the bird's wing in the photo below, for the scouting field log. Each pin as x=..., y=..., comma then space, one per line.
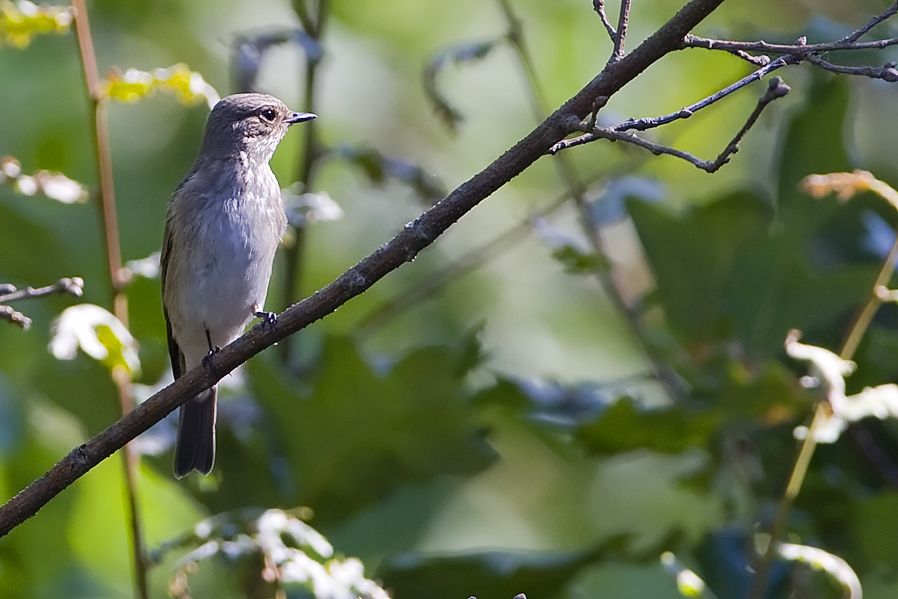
x=174, y=352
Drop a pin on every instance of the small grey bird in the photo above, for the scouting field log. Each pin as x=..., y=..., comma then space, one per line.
x=222, y=227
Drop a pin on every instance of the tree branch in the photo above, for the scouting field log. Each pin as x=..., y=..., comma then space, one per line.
x=775, y=89
x=414, y=237
x=623, y=23
x=68, y=285
x=9, y=293
x=599, y=7
x=684, y=113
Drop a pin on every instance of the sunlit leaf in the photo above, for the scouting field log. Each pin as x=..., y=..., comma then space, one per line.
x=824, y=561
x=847, y=185
x=306, y=208
x=99, y=334
x=147, y=268
x=462, y=53
x=689, y=584
x=55, y=186
x=22, y=20
x=134, y=85
x=378, y=168
x=292, y=553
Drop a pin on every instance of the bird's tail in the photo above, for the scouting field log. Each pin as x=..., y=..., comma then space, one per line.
x=195, y=448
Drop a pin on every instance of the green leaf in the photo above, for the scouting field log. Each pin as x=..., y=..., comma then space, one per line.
x=352, y=434
x=814, y=142
x=462, y=53
x=625, y=426
x=378, y=168
x=19, y=25
x=99, y=334
x=693, y=255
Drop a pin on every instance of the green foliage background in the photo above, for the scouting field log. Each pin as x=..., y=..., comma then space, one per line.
x=495, y=439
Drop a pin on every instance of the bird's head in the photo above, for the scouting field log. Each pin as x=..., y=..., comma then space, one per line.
x=248, y=124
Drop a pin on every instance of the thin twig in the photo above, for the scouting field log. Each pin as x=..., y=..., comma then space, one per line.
x=861, y=31
x=10, y=314
x=776, y=89
x=109, y=224
x=797, y=50
x=306, y=171
x=411, y=240
x=9, y=293
x=623, y=23
x=599, y=7
x=68, y=285
x=686, y=112
x=888, y=73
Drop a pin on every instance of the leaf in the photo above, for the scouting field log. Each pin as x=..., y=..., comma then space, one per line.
x=462, y=53
x=723, y=274
x=53, y=185
x=248, y=50
x=291, y=552
x=693, y=257
x=351, y=434
x=625, y=426
x=847, y=185
x=305, y=208
x=808, y=148
x=98, y=334
x=689, y=584
x=21, y=21
x=378, y=168
x=134, y=85
x=571, y=252
x=824, y=561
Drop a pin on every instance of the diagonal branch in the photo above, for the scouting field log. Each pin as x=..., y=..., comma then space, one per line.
x=413, y=238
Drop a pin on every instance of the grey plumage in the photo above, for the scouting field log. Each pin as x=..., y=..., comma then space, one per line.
x=222, y=228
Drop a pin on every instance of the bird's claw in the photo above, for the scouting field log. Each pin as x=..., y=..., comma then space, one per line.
x=207, y=360
x=269, y=319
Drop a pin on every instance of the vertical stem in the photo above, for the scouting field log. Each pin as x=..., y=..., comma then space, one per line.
x=571, y=178
x=806, y=452
x=306, y=175
x=119, y=302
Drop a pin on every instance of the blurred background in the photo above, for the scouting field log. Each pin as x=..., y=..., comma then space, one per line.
x=498, y=427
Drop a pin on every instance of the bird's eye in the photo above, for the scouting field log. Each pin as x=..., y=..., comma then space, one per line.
x=268, y=114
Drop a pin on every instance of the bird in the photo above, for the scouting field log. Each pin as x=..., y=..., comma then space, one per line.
x=223, y=225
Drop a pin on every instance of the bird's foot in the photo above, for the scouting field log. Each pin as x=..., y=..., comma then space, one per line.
x=268, y=319
x=207, y=360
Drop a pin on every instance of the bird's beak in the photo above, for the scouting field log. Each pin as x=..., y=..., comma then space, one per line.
x=299, y=117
